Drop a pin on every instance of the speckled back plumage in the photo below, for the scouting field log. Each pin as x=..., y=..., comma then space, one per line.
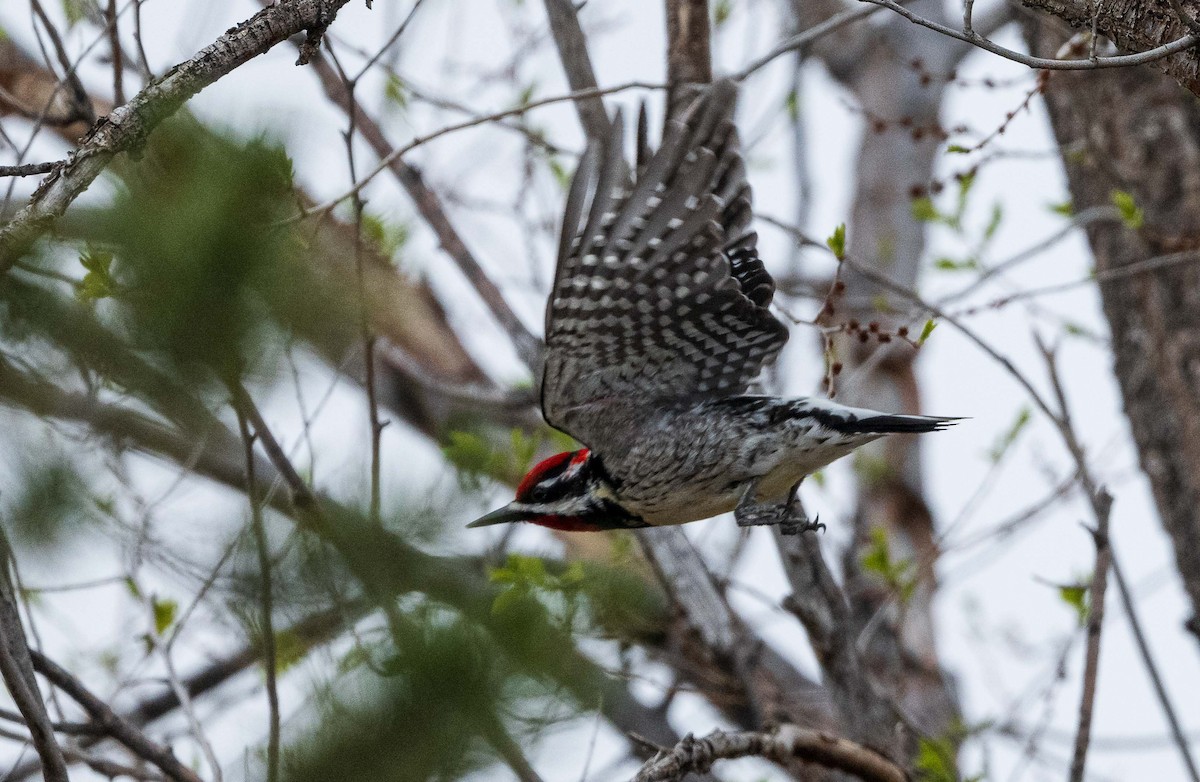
x=659, y=298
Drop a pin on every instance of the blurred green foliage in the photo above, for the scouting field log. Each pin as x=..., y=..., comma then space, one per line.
x=49, y=502
x=199, y=246
x=440, y=690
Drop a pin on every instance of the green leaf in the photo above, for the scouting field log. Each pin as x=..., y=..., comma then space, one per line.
x=818, y=478
x=877, y=558
x=1006, y=440
x=1131, y=215
x=75, y=11
x=526, y=94
x=1076, y=329
x=396, y=91
x=899, y=575
x=930, y=325
x=98, y=283
x=165, y=611
x=994, y=221
x=721, y=12
x=957, y=149
x=389, y=237
x=924, y=211
x=132, y=588
x=1076, y=596
x=289, y=650
x=951, y=265
x=935, y=760
x=1066, y=208
x=792, y=104
x=561, y=175
x=507, y=600
x=965, y=183
x=524, y=448
x=837, y=241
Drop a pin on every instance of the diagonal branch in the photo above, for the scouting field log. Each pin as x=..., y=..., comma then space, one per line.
x=128, y=126
x=787, y=743
x=17, y=671
x=116, y=726
x=572, y=51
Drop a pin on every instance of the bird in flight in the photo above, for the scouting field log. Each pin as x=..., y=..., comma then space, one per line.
x=657, y=323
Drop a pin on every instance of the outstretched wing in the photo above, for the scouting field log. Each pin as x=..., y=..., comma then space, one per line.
x=659, y=295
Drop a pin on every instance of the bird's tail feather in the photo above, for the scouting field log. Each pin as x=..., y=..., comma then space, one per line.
x=886, y=424
x=889, y=423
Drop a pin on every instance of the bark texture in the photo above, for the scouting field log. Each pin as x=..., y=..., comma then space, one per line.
x=1134, y=26
x=1136, y=131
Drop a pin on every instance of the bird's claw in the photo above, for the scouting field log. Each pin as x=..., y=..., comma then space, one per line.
x=802, y=525
x=789, y=519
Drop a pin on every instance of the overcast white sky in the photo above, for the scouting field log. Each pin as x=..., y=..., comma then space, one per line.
x=1000, y=625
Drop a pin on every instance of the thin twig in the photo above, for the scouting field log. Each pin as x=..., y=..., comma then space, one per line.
x=17, y=670
x=1044, y=63
x=1177, y=735
x=802, y=40
x=31, y=169
x=117, y=727
x=195, y=727
x=394, y=155
x=1095, y=623
x=1184, y=16
x=302, y=495
x=101, y=766
x=509, y=750
x=118, y=65
x=79, y=97
x=370, y=63
x=270, y=655
x=364, y=325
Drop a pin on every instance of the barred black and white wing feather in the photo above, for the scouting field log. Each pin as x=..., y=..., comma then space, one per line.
x=659, y=294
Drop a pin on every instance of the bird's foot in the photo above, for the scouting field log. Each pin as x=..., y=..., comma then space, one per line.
x=802, y=524
x=786, y=515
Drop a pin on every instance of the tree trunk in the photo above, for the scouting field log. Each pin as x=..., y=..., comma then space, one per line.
x=1136, y=131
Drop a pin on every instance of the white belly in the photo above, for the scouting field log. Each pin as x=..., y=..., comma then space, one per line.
x=777, y=471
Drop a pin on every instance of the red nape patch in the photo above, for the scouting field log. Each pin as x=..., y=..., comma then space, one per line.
x=534, y=477
x=566, y=524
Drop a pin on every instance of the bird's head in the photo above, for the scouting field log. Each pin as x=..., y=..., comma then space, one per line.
x=568, y=491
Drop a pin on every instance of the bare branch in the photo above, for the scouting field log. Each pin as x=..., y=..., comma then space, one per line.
x=688, y=58
x=801, y=41
x=821, y=606
x=786, y=743
x=79, y=97
x=17, y=670
x=1182, y=742
x=270, y=657
x=1153, y=55
x=1135, y=27
x=1095, y=623
x=31, y=169
x=116, y=726
x=572, y=51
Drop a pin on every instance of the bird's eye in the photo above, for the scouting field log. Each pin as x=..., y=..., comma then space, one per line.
x=539, y=494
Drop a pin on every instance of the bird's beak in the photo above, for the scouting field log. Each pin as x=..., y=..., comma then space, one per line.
x=502, y=516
